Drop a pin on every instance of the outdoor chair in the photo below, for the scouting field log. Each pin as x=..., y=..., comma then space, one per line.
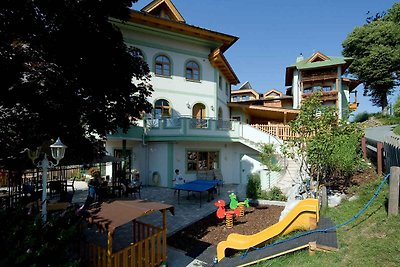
x=71, y=184
x=135, y=189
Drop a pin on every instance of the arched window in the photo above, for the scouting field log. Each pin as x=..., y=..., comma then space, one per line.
x=162, y=109
x=163, y=66
x=192, y=71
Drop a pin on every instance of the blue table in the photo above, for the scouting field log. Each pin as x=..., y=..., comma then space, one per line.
x=198, y=186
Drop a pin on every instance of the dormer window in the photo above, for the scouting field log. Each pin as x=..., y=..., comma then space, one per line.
x=163, y=66
x=192, y=71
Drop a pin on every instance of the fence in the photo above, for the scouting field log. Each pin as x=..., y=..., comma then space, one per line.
x=374, y=151
x=279, y=130
x=149, y=248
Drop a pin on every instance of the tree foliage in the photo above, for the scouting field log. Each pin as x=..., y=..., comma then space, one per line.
x=66, y=72
x=328, y=149
x=375, y=48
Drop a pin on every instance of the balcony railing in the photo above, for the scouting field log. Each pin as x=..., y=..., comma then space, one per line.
x=187, y=126
x=281, y=131
x=326, y=95
x=208, y=128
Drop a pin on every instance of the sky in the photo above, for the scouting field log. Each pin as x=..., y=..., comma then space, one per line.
x=272, y=33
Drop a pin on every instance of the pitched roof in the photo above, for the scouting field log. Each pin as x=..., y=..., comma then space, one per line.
x=151, y=15
x=318, y=60
x=163, y=8
x=274, y=92
x=246, y=85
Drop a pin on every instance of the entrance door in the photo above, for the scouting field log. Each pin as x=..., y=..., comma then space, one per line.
x=199, y=113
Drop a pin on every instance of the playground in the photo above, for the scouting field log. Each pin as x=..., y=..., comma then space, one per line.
x=195, y=238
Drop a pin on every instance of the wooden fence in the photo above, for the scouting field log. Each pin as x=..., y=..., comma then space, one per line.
x=279, y=130
x=383, y=154
x=374, y=151
x=149, y=248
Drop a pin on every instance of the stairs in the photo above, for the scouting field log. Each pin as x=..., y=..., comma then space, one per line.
x=290, y=177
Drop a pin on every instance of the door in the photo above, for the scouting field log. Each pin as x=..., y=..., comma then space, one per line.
x=199, y=113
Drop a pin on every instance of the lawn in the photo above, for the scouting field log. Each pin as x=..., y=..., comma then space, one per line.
x=373, y=239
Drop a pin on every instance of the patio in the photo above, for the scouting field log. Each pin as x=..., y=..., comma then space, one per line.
x=187, y=212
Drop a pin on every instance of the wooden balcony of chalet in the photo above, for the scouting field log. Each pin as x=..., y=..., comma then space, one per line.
x=326, y=95
x=319, y=76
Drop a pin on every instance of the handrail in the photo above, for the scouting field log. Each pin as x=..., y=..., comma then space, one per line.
x=283, y=132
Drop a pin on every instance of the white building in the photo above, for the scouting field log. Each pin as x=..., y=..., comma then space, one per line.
x=190, y=128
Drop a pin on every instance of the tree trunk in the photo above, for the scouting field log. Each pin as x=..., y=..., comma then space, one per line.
x=384, y=103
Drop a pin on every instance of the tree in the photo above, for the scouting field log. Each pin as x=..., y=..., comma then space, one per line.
x=328, y=149
x=67, y=73
x=375, y=48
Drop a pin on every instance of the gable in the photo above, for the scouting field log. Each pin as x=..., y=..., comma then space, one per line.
x=317, y=57
x=273, y=93
x=164, y=9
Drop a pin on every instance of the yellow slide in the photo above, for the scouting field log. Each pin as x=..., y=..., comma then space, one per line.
x=304, y=216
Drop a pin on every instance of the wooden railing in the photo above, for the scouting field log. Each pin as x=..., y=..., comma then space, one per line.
x=279, y=130
x=149, y=248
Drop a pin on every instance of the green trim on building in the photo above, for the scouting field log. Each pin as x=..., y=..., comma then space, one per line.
x=134, y=132
x=194, y=138
x=189, y=93
x=170, y=164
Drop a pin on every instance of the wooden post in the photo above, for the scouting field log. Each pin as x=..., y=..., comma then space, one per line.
x=324, y=197
x=364, y=147
x=379, y=155
x=393, y=208
x=164, y=245
x=109, y=248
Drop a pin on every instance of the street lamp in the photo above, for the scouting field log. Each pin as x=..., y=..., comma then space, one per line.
x=57, y=152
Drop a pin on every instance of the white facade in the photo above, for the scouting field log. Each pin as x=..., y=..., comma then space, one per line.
x=181, y=140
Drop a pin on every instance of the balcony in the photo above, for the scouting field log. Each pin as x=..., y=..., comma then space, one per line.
x=186, y=128
x=326, y=95
x=319, y=76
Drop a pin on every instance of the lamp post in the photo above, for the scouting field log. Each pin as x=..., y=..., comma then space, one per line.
x=57, y=152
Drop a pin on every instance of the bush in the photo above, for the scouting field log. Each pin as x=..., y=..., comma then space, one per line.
x=27, y=242
x=253, y=189
x=274, y=194
x=361, y=117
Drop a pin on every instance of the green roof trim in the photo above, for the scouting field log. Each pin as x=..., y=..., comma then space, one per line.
x=332, y=61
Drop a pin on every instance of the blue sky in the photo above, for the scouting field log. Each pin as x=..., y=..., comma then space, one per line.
x=274, y=32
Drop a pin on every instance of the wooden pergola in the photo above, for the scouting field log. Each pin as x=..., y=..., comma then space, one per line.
x=149, y=246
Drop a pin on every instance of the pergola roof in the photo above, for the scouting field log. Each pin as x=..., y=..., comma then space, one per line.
x=110, y=215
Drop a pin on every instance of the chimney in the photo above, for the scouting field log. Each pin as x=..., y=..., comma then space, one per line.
x=299, y=58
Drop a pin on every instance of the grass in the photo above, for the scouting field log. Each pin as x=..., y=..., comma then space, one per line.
x=372, y=239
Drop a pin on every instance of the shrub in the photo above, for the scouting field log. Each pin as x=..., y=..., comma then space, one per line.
x=274, y=194
x=396, y=107
x=253, y=189
x=361, y=117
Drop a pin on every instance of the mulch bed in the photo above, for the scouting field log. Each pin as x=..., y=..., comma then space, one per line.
x=195, y=238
